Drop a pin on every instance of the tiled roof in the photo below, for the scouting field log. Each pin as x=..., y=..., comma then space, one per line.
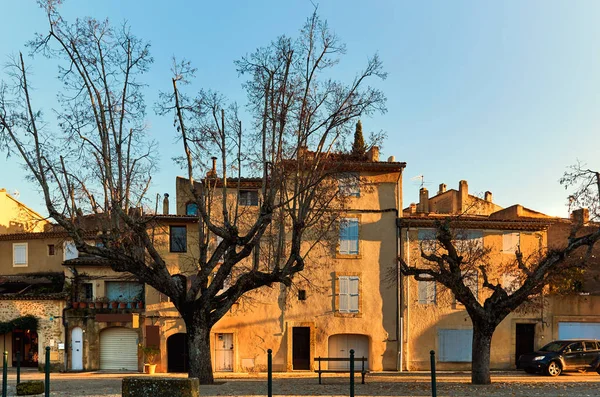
x=48, y=286
x=87, y=260
x=479, y=222
x=39, y=235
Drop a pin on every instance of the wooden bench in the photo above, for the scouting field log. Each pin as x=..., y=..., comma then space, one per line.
x=362, y=371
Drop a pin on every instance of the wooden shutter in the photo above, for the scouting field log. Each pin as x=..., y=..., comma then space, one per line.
x=426, y=292
x=20, y=254
x=353, y=294
x=343, y=294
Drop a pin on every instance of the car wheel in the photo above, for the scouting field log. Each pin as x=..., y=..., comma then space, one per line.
x=530, y=370
x=553, y=369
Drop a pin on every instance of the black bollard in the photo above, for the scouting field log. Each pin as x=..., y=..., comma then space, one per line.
x=47, y=370
x=4, y=374
x=270, y=373
x=433, y=382
x=351, y=372
x=18, y=367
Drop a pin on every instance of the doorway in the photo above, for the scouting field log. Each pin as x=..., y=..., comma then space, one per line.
x=25, y=342
x=224, y=352
x=524, y=339
x=77, y=349
x=301, y=348
x=340, y=346
x=177, y=353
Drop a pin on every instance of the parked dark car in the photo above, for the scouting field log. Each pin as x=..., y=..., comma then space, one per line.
x=563, y=355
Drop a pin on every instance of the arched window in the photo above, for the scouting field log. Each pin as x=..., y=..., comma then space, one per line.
x=191, y=209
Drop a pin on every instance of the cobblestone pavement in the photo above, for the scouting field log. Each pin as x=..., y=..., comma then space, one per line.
x=95, y=384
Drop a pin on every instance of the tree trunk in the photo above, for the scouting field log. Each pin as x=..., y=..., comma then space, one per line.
x=482, y=343
x=198, y=332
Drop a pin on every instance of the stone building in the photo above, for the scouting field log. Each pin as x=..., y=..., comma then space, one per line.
x=433, y=320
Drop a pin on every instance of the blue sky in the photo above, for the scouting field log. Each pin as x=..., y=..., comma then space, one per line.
x=503, y=94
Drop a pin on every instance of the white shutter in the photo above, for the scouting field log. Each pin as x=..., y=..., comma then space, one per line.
x=70, y=251
x=353, y=292
x=510, y=242
x=343, y=295
x=118, y=349
x=426, y=292
x=20, y=254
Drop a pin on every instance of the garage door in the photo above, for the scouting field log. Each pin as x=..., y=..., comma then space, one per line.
x=578, y=330
x=118, y=349
x=340, y=345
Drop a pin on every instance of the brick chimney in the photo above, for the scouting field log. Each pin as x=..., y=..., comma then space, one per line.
x=166, y=204
x=423, y=200
x=581, y=216
x=463, y=195
x=413, y=208
x=213, y=172
x=373, y=154
x=488, y=196
x=442, y=188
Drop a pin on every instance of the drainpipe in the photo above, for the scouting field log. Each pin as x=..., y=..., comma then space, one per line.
x=406, y=332
x=399, y=302
x=66, y=326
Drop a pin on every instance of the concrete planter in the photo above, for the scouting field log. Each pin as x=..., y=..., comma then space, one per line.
x=155, y=386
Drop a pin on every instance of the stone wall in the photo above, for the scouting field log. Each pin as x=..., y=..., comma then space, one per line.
x=50, y=329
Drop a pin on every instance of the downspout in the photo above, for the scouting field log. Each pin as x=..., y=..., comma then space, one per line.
x=407, y=291
x=399, y=286
x=66, y=326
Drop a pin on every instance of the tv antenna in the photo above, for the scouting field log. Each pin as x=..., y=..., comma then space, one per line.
x=16, y=194
x=420, y=180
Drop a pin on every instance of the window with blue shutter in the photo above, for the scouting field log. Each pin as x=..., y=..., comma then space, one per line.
x=348, y=242
x=454, y=345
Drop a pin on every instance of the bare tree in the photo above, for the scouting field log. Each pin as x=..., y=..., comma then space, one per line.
x=453, y=258
x=98, y=162
x=586, y=182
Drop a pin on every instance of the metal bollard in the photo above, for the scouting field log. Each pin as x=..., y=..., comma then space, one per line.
x=270, y=373
x=433, y=382
x=18, y=367
x=4, y=374
x=47, y=370
x=351, y=372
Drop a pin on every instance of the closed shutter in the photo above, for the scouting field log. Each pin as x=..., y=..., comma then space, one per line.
x=510, y=242
x=353, y=294
x=344, y=298
x=578, y=330
x=426, y=292
x=70, y=250
x=340, y=346
x=454, y=345
x=349, y=236
x=20, y=254
x=118, y=349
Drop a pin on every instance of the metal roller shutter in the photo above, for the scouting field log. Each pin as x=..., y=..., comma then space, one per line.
x=118, y=349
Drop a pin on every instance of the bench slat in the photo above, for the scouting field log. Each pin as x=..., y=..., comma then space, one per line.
x=359, y=359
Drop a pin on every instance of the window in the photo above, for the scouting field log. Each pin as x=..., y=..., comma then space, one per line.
x=510, y=242
x=348, y=294
x=178, y=239
x=427, y=240
x=469, y=241
x=454, y=345
x=249, y=197
x=349, y=184
x=302, y=295
x=426, y=292
x=19, y=254
x=87, y=292
x=590, y=345
x=510, y=283
x=191, y=209
x=348, y=243
x=471, y=281
x=70, y=251
x=51, y=250
x=575, y=347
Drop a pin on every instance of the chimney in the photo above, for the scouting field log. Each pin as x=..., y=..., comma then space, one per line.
x=391, y=159
x=442, y=188
x=166, y=204
x=413, y=208
x=488, y=196
x=581, y=216
x=463, y=195
x=423, y=200
x=213, y=172
x=373, y=154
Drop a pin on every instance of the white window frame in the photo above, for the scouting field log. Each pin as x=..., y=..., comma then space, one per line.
x=347, y=248
x=511, y=241
x=347, y=295
x=15, y=245
x=349, y=184
x=427, y=291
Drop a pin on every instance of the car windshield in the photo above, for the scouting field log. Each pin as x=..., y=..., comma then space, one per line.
x=553, y=347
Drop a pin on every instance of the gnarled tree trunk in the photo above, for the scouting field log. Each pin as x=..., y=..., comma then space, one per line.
x=198, y=331
x=482, y=343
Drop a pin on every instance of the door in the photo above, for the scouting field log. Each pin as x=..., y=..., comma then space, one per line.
x=591, y=352
x=25, y=342
x=574, y=355
x=177, y=350
x=524, y=339
x=223, y=352
x=301, y=348
x=77, y=349
x=340, y=346
x=118, y=349
x=578, y=331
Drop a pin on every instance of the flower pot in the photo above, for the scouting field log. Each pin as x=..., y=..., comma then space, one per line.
x=122, y=305
x=91, y=305
x=75, y=305
x=140, y=305
x=82, y=305
x=114, y=305
x=149, y=368
x=105, y=305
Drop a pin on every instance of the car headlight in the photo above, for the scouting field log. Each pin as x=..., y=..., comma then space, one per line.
x=538, y=358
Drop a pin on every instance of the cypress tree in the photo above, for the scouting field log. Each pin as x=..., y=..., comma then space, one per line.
x=358, y=147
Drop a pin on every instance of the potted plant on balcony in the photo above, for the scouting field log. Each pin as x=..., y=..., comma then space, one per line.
x=151, y=354
x=102, y=303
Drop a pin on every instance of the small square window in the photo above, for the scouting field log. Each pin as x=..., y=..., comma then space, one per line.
x=51, y=250
x=87, y=292
x=178, y=239
x=249, y=197
x=302, y=295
